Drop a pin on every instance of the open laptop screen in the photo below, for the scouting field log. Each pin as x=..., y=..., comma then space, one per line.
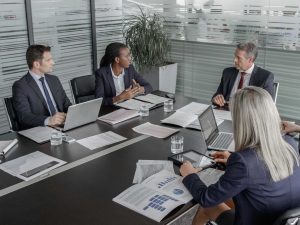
x=208, y=124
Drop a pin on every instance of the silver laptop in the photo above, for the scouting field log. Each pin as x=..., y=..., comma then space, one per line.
x=214, y=139
x=82, y=113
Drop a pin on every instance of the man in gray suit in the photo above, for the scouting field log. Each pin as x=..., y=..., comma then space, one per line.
x=244, y=73
x=38, y=97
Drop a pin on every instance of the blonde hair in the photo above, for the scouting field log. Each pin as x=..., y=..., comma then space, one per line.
x=256, y=124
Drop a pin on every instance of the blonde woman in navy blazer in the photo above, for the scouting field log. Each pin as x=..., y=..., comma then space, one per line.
x=115, y=66
x=262, y=176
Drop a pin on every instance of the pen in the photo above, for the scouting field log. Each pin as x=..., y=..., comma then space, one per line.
x=8, y=147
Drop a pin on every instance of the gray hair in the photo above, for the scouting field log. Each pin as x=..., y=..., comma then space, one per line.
x=250, y=49
x=256, y=124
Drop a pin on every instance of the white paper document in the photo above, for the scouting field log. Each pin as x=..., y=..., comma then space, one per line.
x=193, y=108
x=156, y=196
x=181, y=119
x=134, y=104
x=210, y=176
x=222, y=114
x=196, y=124
x=38, y=134
x=146, y=168
x=31, y=166
x=155, y=99
x=118, y=116
x=154, y=130
x=100, y=140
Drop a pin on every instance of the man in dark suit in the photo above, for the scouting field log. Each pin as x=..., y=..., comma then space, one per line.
x=245, y=73
x=117, y=80
x=38, y=97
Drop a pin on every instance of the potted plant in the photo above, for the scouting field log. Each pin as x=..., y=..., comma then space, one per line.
x=149, y=45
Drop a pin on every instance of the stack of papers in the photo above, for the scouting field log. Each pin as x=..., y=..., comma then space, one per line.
x=146, y=168
x=101, y=140
x=154, y=130
x=152, y=98
x=31, y=166
x=222, y=114
x=181, y=119
x=134, y=104
x=38, y=134
x=187, y=116
x=194, y=108
x=156, y=196
x=118, y=116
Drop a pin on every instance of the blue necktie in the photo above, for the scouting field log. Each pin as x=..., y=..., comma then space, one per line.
x=48, y=99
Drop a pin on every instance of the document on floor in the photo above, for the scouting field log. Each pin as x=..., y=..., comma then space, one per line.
x=30, y=166
x=193, y=108
x=156, y=196
x=154, y=99
x=154, y=130
x=146, y=168
x=101, y=140
x=222, y=114
x=210, y=176
x=134, y=104
x=118, y=116
x=38, y=134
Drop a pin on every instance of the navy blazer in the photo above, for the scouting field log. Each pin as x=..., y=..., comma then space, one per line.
x=29, y=103
x=259, y=78
x=258, y=200
x=105, y=86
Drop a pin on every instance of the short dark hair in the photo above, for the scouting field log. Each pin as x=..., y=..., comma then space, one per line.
x=250, y=49
x=111, y=52
x=35, y=53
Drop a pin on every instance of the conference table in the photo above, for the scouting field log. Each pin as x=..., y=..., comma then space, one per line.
x=81, y=191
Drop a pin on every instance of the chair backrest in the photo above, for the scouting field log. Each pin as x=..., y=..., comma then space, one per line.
x=290, y=217
x=276, y=87
x=11, y=114
x=83, y=88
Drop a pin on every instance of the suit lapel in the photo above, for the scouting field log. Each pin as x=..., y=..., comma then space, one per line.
x=110, y=80
x=232, y=80
x=126, y=79
x=252, y=78
x=36, y=89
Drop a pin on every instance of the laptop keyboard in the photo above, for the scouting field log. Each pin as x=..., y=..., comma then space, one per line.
x=222, y=141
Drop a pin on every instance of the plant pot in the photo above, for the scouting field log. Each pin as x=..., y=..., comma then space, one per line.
x=162, y=78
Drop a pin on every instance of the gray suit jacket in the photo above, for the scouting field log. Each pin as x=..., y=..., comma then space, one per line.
x=260, y=78
x=105, y=86
x=29, y=103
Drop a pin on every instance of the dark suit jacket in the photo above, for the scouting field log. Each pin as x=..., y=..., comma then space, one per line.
x=105, y=86
x=260, y=78
x=29, y=103
x=258, y=200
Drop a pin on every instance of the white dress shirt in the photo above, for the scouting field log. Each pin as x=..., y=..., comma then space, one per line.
x=118, y=81
x=247, y=78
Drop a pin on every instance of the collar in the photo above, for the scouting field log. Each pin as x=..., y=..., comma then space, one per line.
x=115, y=76
x=35, y=76
x=250, y=70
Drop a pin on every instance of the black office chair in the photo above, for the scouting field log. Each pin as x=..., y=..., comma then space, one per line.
x=11, y=114
x=290, y=217
x=83, y=88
